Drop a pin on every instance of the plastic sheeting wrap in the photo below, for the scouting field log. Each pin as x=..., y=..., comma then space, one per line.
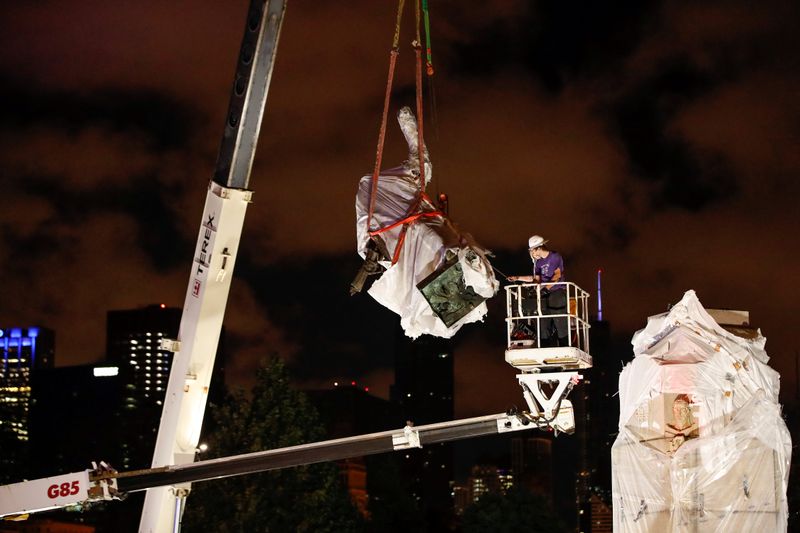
x=701, y=445
x=428, y=243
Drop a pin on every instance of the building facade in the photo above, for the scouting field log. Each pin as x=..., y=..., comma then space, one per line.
x=133, y=338
x=347, y=410
x=423, y=391
x=532, y=464
x=23, y=351
x=74, y=418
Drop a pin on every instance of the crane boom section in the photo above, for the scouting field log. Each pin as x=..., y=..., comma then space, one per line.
x=82, y=488
x=198, y=337
x=43, y=494
x=330, y=450
x=249, y=93
x=215, y=255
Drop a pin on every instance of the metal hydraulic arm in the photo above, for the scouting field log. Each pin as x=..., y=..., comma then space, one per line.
x=212, y=268
x=82, y=488
x=332, y=450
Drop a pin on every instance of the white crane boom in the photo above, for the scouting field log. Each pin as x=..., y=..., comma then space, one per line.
x=80, y=489
x=212, y=268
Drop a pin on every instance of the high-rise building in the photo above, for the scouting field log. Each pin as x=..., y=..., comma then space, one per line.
x=423, y=385
x=596, y=417
x=74, y=418
x=461, y=499
x=485, y=479
x=423, y=389
x=23, y=351
x=133, y=340
x=601, y=408
x=133, y=345
x=347, y=410
x=532, y=464
x=602, y=517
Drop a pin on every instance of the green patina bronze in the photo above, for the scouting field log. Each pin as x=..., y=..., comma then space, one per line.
x=446, y=293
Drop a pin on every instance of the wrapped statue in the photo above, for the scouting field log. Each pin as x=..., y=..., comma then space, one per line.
x=432, y=274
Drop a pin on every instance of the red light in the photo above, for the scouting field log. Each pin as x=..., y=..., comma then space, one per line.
x=163, y=306
x=353, y=383
x=366, y=389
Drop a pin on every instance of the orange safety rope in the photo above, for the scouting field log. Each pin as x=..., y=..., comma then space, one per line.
x=382, y=132
x=405, y=222
x=420, y=137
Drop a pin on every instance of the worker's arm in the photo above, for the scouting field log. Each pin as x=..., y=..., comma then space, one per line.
x=556, y=277
x=529, y=279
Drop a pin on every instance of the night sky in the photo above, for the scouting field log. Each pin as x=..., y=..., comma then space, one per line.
x=655, y=140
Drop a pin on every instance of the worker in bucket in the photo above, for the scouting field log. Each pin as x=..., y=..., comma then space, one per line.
x=548, y=269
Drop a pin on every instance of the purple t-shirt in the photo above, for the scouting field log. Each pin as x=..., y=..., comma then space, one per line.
x=546, y=268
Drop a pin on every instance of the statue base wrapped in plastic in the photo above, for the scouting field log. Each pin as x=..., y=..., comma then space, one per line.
x=702, y=445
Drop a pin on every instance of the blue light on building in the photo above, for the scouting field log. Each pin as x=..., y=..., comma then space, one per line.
x=22, y=351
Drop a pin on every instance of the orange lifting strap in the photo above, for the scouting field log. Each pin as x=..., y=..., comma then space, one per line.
x=416, y=214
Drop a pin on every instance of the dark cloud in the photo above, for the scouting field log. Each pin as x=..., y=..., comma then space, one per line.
x=338, y=334
x=158, y=119
x=678, y=173
x=145, y=123
x=582, y=37
x=555, y=41
x=145, y=199
x=160, y=234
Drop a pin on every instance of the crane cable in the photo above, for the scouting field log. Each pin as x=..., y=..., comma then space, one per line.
x=428, y=55
x=415, y=213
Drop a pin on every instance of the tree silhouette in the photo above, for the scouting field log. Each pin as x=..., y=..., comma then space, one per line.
x=305, y=498
x=519, y=511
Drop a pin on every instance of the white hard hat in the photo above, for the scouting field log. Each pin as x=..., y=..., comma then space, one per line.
x=536, y=241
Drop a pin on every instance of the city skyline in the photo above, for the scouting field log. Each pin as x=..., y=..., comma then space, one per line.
x=77, y=406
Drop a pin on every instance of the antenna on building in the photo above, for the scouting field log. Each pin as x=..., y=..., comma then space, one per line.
x=599, y=295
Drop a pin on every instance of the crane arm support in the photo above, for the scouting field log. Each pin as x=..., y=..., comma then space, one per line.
x=249, y=93
x=67, y=490
x=331, y=450
x=103, y=483
x=218, y=241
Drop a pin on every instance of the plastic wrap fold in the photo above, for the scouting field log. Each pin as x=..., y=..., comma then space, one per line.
x=428, y=242
x=702, y=445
